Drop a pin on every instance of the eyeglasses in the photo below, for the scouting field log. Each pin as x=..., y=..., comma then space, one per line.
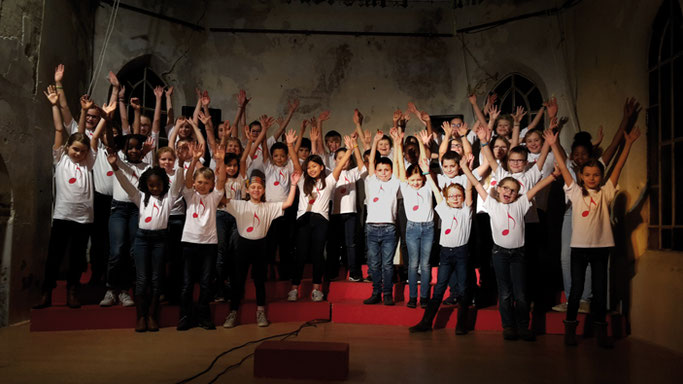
x=458, y=125
x=91, y=116
x=508, y=190
x=518, y=161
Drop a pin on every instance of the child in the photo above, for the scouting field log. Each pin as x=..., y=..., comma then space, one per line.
x=154, y=196
x=344, y=216
x=123, y=222
x=591, y=234
x=199, y=239
x=73, y=211
x=333, y=141
x=507, y=209
x=254, y=217
x=420, y=223
x=312, y=218
x=380, y=227
x=454, y=208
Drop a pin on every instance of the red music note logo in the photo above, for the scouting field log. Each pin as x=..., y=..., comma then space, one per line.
x=514, y=224
x=201, y=204
x=281, y=175
x=454, y=221
x=149, y=218
x=78, y=174
x=493, y=183
x=376, y=199
x=343, y=190
x=419, y=200
x=110, y=173
x=586, y=212
x=313, y=198
x=254, y=222
x=255, y=156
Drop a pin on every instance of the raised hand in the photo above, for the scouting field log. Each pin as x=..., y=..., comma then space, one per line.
x=59, y=73
x=464, y=163
x=315, y=132
x=51, y=94
x=550, y=136
x=197, y=150
x=464, y=128
x=631, y=108
x=86, y=103
x=378, y=136
x=169, y=91
x=324, y=115
x=148, y=145
x=280, y=120
x=242, y=99
x=412, y=108
x=482, y=134
x=122, y=92
x=219, y=155
x=206, y=100
x=293, y=105
x=294, y=178
x=424, y=164
x=491, y=98
x=135, y=103
x=350, y=142
x=446, y=126
x=198, y=92
x=424, y=117
x=632, y=136
x=314, y=122
x=247, y=133
x=158, y=92
x=470, y=160
x=397, y=115
x=598, y=137
x=109, y=109
x=494, y=112
x=357, y=117
x=111, y=156
x=556, y=170
x=424, y=136
x=204, y=118
x=113, y=80
x=472, y=98
x=291, y=137
x=393, y=132
x=551, y=105
x=553, y=124
x=519, y=114
x=266, y=121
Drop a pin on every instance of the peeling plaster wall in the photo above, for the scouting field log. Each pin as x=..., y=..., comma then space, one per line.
x=34, y=36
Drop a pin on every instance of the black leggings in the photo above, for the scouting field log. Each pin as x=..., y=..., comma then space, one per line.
x=66, y=235
x=250, y=252
x=311, y=233
x=580, y=258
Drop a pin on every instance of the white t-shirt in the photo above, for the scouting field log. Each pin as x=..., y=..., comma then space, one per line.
x=149, y=157
x=102, y=172
x=178, y=207
x=329, y=160
x=153, y=216
x=277, y=180
x=527, y=180
x=200, y=219
x=319, y=199
x=507, y=221
x=345, y=192
x=132, y=171
x=487, y=182
x=235, y=188
x=541, y=197
x=256, y=161
x=417, y=203
x=75, y=198
x=456, y=224
x=442, y=180
x=253, y=220
x=591, y=226
x=381, y=199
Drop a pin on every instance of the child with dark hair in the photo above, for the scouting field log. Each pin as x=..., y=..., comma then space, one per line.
x=73, y=212
x=154, y=196
x=333, y=141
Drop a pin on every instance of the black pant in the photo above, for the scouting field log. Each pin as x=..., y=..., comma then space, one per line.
x=342, y=241
x=173, y=282
x=99, y=244
x=311, y=233
x=199, y=259
x=487, y=291
x=280, y=235
x=401, y=222
x=580, y=258
x=250, y=252
x=66, y=235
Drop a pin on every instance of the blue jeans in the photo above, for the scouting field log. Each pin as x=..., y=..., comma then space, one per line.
x=199, y=259
x=419, y=238
x=150, y=248
x=510, y=267
x=453, y=263
x=123, y=225
x=381, y=239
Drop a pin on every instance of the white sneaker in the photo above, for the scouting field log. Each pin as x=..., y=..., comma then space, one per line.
x=261, y=319
x=125, y=299
x=560, y=307
x=293, y=295
x=231, y=320
x=109, y=299
x=584, y=306
x=316, y=295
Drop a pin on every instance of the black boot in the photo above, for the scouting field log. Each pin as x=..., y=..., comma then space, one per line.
x=45, y=300
x=461, y=328
x=603, y=340
x=141, y=313
x=153, y=316
x=71, y=299
x=570, y=332
x=428, y=318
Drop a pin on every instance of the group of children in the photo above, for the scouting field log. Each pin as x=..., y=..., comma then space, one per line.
x=146, y=206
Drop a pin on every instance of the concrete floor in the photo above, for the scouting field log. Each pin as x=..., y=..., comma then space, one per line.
x=379, y=354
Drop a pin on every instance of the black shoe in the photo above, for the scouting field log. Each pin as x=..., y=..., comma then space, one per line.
x=422, y=326
x=207, y=324
x=45, y=301
x=412, y=303
x=374, y=299
x=450, y=301
x=424, y=302
x=510, y=334
x=527, y=335
x=183, y=324
x=388, y=300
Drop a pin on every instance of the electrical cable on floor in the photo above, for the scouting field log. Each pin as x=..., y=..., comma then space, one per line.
x=311, y=323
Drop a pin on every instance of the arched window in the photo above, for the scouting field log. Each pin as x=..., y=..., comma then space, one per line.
x=665, y=128
x=515, y=90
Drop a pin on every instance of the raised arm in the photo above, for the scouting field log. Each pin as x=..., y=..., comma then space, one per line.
x=114, y=81
x=322, y=117
x=543, y=183
x=219, y=159
x=292, y=107
x=477, y=111
x=356, y=153
x=397, y=137
x=197, y=151
x=294, y=180
x=473, y=180
x=156, y=120
x=315, y=137
x=127, y=186
x=208, y=127
x=86, y=104
x=53, y=98
x=629, y=139
x=358, y=122
x=291, y=139
x=551, y=139
x=424, y=167
x=517, y=121
x=178, y=182
x=197, y=133
x=245, y=155
x=242, y=101
x=484, y=136
x=448, y=131
x=63, y=105
x=169, y=105
x=302, y=132
x=537, y=119
x=123, y=112
x=107, y=112
x=137, y=113
x=197, y=107
x=373, y=152
x=341, y=164
x=631, y=111
x=424, y=138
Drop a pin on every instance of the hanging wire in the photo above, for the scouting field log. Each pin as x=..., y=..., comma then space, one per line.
x=100, y=59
